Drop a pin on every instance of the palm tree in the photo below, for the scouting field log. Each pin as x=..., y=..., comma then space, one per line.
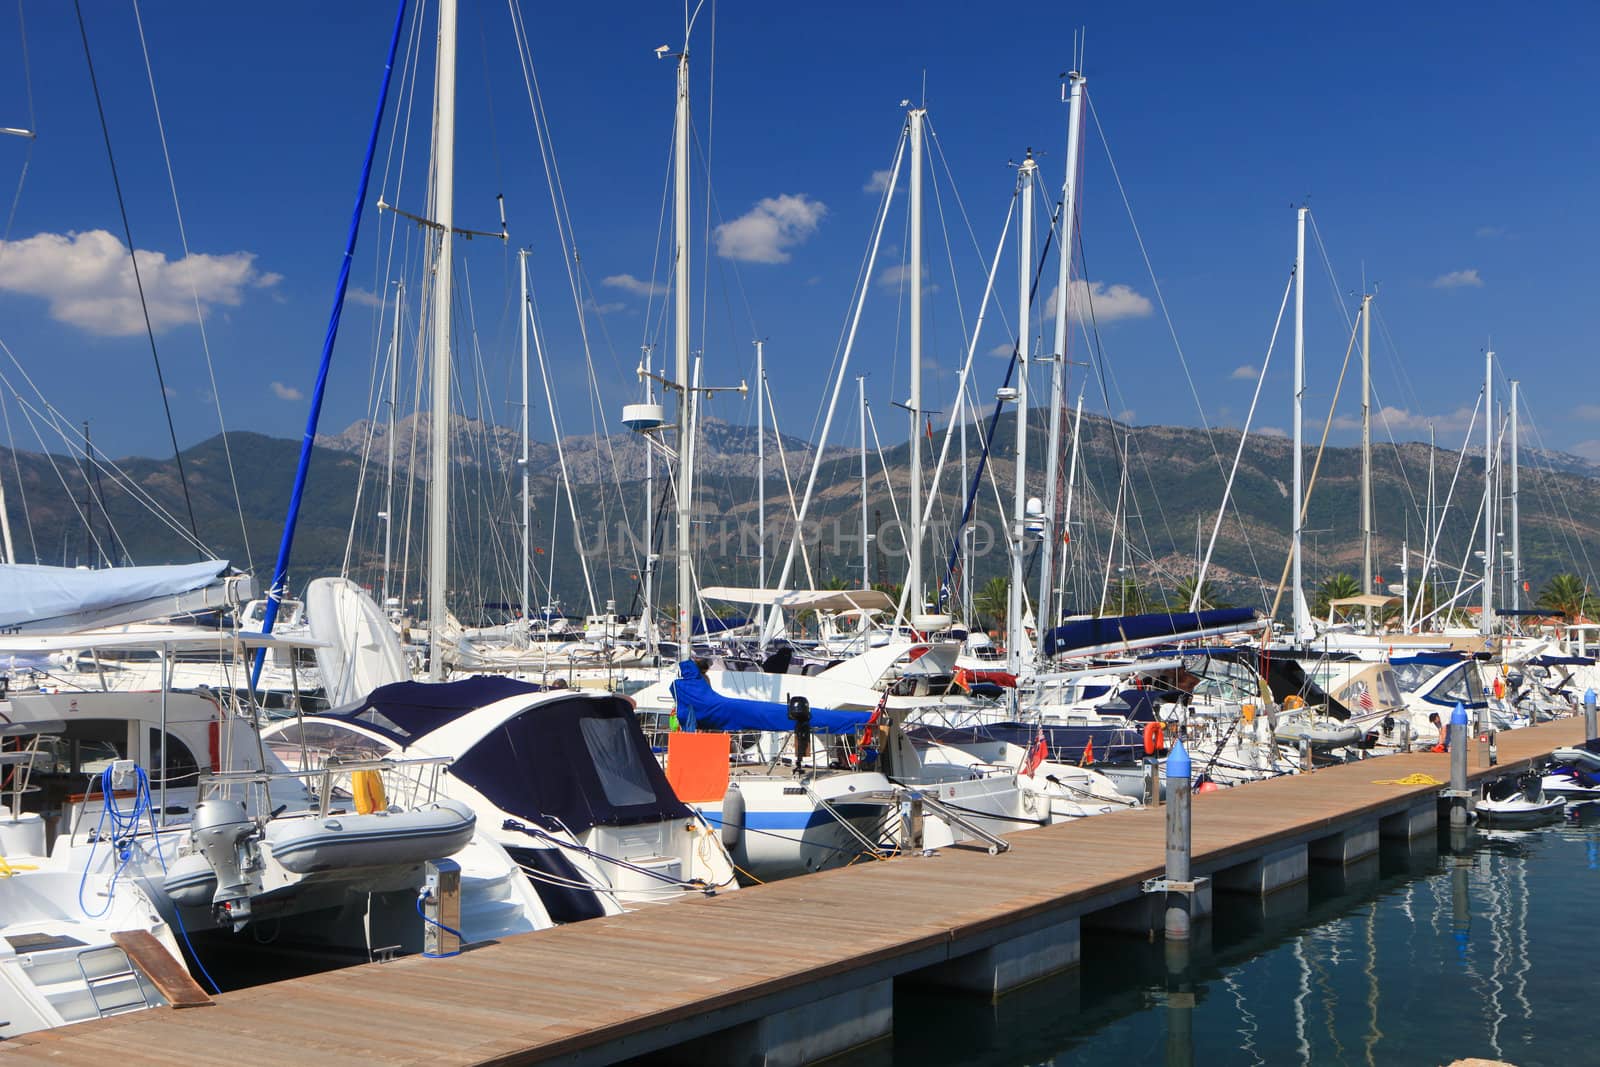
x=1567, y=594
x=1339, y=586
x=994, y=600
x=1127, y=598
x=1183, y=596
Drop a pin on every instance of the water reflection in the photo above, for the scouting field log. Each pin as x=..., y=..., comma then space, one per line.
x=1428, y=952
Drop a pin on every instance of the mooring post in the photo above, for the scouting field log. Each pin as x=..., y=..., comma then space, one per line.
x=1405, y=734
x=1152, y=781
x=1178, y=903
x=1305, y=755
x=1589, y=731
x=1458, y=765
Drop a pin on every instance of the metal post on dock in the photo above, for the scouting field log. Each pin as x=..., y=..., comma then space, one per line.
x=1152, y=781
x=1178, y=783
x=1589, y=731
x=1405, y=734
x=1458, y=766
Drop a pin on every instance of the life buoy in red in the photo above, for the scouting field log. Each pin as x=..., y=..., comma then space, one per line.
x=1154, y=737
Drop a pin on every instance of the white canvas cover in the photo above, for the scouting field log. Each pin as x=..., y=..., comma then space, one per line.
x=32, y=594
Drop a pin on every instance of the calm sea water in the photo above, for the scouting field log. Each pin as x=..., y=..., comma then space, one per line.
x=1481, y=946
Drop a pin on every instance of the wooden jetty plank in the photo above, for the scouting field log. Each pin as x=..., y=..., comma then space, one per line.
x=168, y=975
x=562, y=991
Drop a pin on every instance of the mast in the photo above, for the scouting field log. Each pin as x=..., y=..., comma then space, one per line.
x=1486, y=623
x=1516, y=533
x=680, y=346
x=527, y=499
x=1302, y=612
x=1058, y=370
x=647, y=621
x=866, y=558
x=914, y=574
x=1015, y=633
x=761, y=477
x=1366, y=451
x=966, y=530
x=444, y=159
x=1072, y=478
x=394, y=396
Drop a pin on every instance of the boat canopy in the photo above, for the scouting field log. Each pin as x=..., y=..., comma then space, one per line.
x=33, y=595
x=404, y=711
x=575, y=762
x=1364, y=600
x=1124, y=629
x=805, y=599
x=701, y=707
x=1562, y=661
x=714, y=624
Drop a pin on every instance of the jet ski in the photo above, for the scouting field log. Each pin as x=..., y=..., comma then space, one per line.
x=1518, y=802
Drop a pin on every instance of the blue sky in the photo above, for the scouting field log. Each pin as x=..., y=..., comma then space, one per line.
x=1448, y=153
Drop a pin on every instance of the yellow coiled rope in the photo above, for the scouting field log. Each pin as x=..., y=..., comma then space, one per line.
x=1410, y=779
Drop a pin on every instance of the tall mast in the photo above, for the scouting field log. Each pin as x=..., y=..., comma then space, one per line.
x=1486, y=623
x=1366, y=451
x=1302, y=612
x=647, y=617
x=914, y=573
x=527, y=499
x=1015, y=633
x=965, y=533
x=1058, y=370
x=866, y=557
x=1516, y=533
x=444, y=161
x=394, y=397
x=680, y=345
x=761, y=473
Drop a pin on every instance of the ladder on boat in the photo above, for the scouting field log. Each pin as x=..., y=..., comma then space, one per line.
x=923, y=801
x=97, y=980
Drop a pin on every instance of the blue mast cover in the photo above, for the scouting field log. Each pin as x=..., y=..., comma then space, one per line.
x=701, y=707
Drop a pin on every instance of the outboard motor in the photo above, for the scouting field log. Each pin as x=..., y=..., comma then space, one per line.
x=219, y=831
x=800, y=715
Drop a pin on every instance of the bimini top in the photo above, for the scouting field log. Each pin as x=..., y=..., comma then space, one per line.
x=701, y=707
x=404, y=711
x=1124, y=629
x=39, y=595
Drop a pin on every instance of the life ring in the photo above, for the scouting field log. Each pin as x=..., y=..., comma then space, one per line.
x=1154, y=737
x=1293, y=702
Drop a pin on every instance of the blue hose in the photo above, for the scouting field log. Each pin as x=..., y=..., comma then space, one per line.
x=447, y=929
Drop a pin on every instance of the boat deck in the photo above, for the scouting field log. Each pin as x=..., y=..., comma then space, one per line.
x=622, y=985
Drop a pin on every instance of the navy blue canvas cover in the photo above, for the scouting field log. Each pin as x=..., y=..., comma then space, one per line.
x=577, y=761
x=1119, y=629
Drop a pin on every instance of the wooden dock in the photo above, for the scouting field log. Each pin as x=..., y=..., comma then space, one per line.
x=719, y=969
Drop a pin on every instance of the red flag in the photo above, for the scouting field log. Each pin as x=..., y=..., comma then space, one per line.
x=1088, y=754
x=1366, y=700
x=1036, y=753
x=930, y=430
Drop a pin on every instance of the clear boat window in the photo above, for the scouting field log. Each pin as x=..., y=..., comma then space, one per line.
x=615, y=762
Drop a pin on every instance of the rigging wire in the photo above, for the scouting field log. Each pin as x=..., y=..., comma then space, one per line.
x=194, y=289
x=33, y=126
x=133, y=257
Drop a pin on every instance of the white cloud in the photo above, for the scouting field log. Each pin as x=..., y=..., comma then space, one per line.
x=1401, y=419
x=608, y=308
x=1587, y=449
x=365, y=297
x=1108, y=302
x=1586, y=411
x=766, y=232
x=1491, y=231
x=1458, y=279
x=1272, y=431
x=637, y=286
x=1126, y=416
x=1004, y=348
x=170, y=391
x=878, y=182
x=286, y=392
x=1244, y=373
x=88, y=279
